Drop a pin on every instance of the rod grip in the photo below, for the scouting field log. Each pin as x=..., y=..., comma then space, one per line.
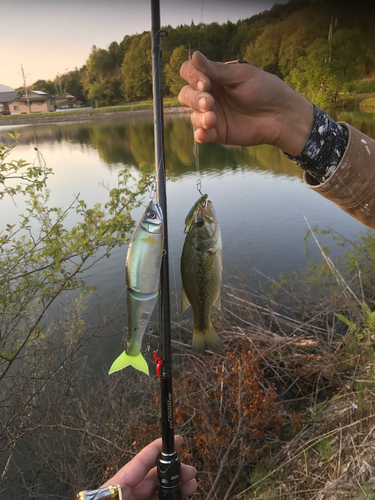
x=169, y=475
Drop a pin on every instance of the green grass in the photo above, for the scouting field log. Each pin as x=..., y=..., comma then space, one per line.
x=324, y=449
x=365, y=491
x=131, y=106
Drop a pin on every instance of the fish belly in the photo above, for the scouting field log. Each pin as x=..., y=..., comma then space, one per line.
x=140, y=308
x=201, y=278
x=143, y=261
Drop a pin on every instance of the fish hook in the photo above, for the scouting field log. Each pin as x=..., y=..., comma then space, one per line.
x=150, y=333
x=199, y=187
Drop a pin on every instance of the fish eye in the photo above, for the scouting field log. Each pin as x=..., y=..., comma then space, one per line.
x=200, y=222
x=151, y=214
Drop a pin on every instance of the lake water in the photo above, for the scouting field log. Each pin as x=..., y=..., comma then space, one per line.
x=258, y=194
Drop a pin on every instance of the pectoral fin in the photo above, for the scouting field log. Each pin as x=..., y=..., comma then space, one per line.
x=138, y=362
x=185, y=303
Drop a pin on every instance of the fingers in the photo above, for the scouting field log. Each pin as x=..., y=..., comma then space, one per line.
x=203, y=120
x=133, y=472
x=200, y=73
x=196, y=76
x=189, y=488
x=139, y=476
x=149, y=486
x=197, y=100
x=203, y=136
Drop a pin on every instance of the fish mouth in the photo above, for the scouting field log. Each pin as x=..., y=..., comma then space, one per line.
x=204, y=213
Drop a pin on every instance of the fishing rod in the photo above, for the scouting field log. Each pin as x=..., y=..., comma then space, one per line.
x=168, y=463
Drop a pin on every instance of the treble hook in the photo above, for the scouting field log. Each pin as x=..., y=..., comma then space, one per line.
x=199, y=187
x=150, y=333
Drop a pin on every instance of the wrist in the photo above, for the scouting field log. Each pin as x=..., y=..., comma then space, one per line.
x=324, y=148
x=296, y=124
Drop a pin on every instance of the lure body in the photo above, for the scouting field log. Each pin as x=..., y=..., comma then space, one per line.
x=201, y=272
x=143, y=264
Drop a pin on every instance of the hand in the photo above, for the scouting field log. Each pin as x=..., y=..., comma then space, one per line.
x=243, y=105
x=138, y=478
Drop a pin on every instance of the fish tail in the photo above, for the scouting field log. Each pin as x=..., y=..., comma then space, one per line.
x=206, y=340
x=138, y=362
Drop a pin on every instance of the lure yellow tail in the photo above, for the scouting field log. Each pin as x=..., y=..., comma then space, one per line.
x=138, y=362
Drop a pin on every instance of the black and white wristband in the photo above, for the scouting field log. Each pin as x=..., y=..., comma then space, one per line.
x=324, y=148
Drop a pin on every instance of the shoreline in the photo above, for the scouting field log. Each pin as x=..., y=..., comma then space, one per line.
x=88, y=116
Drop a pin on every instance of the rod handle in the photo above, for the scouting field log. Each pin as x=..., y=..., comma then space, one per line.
x=169, y=476
x=170, y=495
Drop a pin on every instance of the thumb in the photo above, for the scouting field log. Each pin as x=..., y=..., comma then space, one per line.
x=221, y=73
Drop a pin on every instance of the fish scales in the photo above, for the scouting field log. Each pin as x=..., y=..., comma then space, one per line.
x=201, y=271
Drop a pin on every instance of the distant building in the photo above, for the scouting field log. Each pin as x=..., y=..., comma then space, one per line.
x=68, y=102
x=7, y=96
x=38, y=102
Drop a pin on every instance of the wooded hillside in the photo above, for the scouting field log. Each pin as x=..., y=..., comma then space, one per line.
x=321, y=47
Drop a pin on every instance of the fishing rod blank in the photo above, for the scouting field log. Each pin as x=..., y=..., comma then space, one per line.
x=168, y=463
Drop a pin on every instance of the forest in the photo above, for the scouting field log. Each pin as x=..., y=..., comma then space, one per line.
x=322, y=48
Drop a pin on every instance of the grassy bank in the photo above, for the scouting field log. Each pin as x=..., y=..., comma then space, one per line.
x=368, y=103
x=80, y=113
x=286, y=410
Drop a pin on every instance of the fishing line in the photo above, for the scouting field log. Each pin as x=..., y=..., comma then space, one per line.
x=200, y=27
x=196, y=148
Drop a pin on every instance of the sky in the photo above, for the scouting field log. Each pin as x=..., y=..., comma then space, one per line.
x=50, y=37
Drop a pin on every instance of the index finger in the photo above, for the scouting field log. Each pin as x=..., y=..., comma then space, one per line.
x=200, y=72
x=196, y=78
x=137, y=469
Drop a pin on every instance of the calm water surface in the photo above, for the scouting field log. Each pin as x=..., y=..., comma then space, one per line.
x=259, y=195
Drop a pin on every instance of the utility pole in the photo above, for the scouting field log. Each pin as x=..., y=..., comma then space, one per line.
x=25, y=87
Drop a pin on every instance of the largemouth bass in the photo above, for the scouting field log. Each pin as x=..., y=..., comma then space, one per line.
x=201, y=272
x=143, y=264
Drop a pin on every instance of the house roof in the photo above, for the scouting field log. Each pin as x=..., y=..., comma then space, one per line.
x=6, y=97
x=35, y=95
x=5, y=88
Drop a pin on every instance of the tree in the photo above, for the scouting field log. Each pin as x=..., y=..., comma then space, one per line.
x=136, y=69
x=102, y=77
x=172, y=70
x=45, y=86
x=99, y=65
x=114, y=50
x=329, y=68
x=38, y=265
x=72, y=84
x=43, y=259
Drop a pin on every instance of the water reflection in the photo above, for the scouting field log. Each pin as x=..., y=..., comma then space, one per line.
x=362, y=120
x=131, y=141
